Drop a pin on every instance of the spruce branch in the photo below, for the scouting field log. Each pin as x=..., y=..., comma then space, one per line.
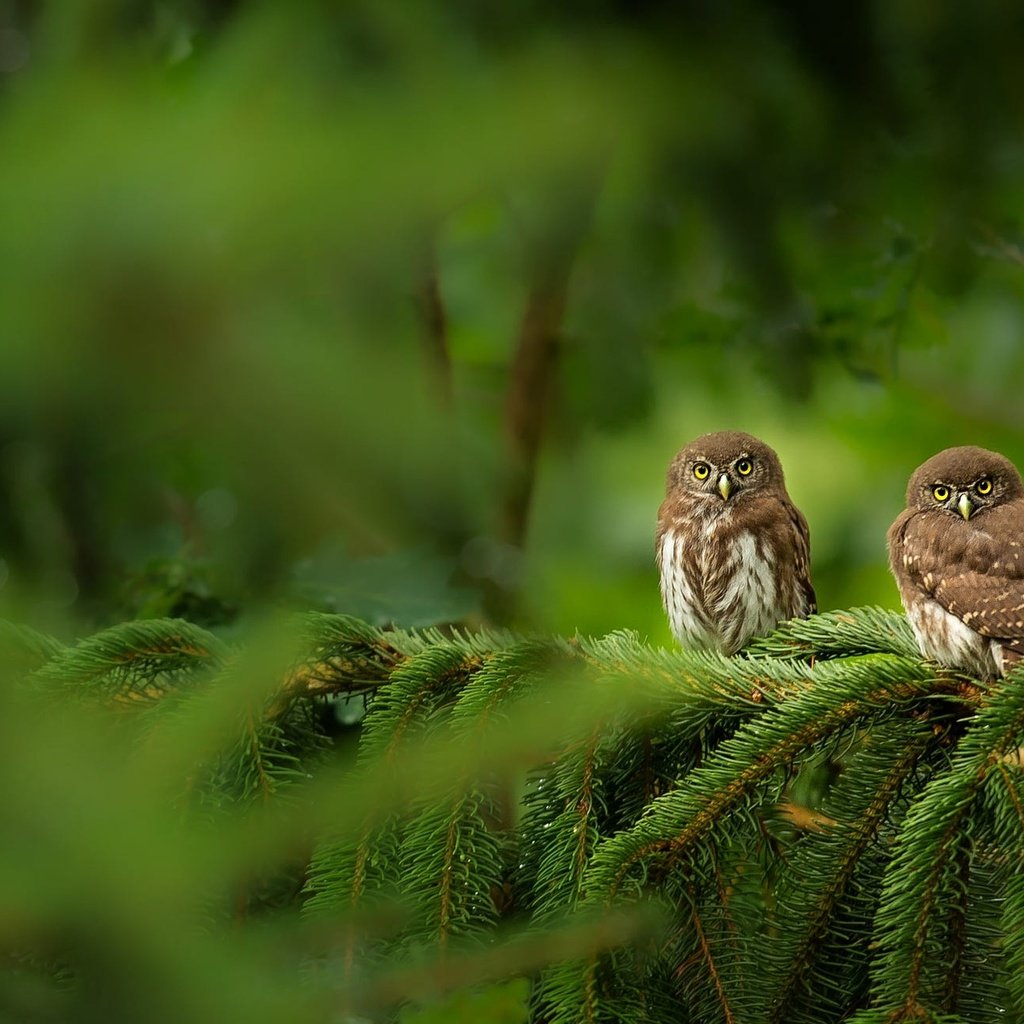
x=545, y=779
x=348, y=656
x=559, y=831
x=919, y=925
x=345, y=655
x=133, y=662
x=455, y=882
x=844, y=694
x=417, y=688
x=708, y=958
x=829, y=885
x=1012, y=933
x=513, y=952
x=868, y=630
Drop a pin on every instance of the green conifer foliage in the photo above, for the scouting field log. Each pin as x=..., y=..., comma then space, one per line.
x=823, y=828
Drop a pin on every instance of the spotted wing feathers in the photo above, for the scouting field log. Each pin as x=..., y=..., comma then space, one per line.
x=974, y=572
x=991, y=605
x=801, y=548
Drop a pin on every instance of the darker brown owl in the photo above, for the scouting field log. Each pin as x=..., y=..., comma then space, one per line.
x=956, y=552
x=733, y=550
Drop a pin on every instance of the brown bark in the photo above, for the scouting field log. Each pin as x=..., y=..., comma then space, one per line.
x=434, y=332
x=528, y=399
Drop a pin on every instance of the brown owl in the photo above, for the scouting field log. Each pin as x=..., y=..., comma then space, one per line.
x=956, y=552
x=733, y=550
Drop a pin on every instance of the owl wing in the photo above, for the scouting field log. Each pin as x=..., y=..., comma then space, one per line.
x=992, y=604
x=802, y=553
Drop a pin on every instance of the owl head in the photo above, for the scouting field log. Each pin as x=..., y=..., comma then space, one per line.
x=727, y=466
x=964, y=482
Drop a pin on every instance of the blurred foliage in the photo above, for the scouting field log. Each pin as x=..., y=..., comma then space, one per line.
x=266, y=269
x=402, y=310
x=533, y=829
x=500, y=1004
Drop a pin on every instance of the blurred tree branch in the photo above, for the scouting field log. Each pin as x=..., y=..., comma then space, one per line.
x=434, y=324
x=536, y=359
x=527, y=400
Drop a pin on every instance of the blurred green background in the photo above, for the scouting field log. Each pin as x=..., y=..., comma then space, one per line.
x=402, y=309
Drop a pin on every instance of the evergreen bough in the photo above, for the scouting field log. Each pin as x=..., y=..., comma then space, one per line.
x=823, y=828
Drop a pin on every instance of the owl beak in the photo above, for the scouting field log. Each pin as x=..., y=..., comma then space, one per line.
x=724, y=486
x=965, y=505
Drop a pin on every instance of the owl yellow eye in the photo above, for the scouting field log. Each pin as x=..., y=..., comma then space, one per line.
x=744, y=467
x=940, y=493
x=702, y=471
x=984, y=486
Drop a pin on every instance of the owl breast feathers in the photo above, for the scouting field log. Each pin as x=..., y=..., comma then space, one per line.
x=956, y=552
x=732, y=549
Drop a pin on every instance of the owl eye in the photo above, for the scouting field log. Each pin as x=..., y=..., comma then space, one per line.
x=983, y=486
x=744, y=467
x=702, y=471
x=940, y=493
